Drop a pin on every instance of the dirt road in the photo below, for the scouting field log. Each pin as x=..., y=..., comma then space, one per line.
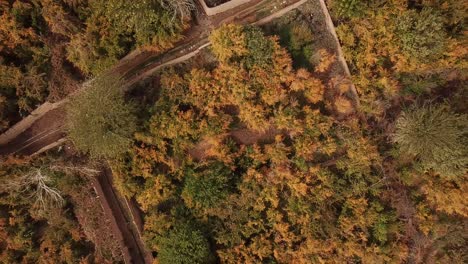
x=132, y=245
x=44, y=131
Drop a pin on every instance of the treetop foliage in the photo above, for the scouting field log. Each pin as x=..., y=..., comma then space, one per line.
x=421, y=34
x=28, y=235
x=257, y=200
x=259, y=157
x=206, y=187
x=228, y=42
x=436, y=136
x=48, y=46
x=348, y=8
x=404, y=53
x=150, y=23
x=185, y=245
x=100, y=121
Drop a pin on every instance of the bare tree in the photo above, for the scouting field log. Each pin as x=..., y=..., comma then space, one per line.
x=179, y=8
x=36, y=185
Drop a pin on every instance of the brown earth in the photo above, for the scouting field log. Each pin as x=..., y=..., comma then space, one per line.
x=213, y=3
x=96, y=224
x=133, y=248
x=43, y=132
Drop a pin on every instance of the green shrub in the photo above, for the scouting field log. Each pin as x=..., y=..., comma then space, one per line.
x=234, y=43
x=348, y=8
x=260, y=48
x=298, y=39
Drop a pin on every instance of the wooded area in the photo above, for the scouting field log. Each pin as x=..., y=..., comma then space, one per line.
x=48, y=47
x=254, y=152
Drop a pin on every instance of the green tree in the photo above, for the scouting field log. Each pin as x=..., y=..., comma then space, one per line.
x=236, y=43
x=421, y=34
x=185, y=245
x=150, y=23
x=100, y=121
x=436, y=136
x=260, y=48
x=348, y=8
x=298, y=38
x=228, y=41
x=207, y=186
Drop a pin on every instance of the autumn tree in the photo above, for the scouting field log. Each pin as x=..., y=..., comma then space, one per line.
x=37, y=220
x=446, y=195
x=256, y=70
x=229, y=41
x=114, y=28
x=150, y=23
x=100, y=121
x=348, y=8
x=245, y=151
x=58, y=20
x=23, y=59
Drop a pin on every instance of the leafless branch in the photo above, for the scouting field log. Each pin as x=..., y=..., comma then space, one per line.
x=179, y=8
x=36, y=185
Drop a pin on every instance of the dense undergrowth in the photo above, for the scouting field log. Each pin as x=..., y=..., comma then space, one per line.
x=48, y=214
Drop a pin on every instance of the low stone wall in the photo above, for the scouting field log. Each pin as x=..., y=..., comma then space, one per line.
x=210, y=11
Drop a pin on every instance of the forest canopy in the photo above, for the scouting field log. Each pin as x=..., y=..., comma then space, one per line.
x=192, y=163
x=268, y=146
x=47, y=47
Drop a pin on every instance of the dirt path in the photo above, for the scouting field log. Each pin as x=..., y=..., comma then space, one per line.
x=280, y=13
x=20, y=127
x=44, y=131
x=124, y=222
x=113, y=219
